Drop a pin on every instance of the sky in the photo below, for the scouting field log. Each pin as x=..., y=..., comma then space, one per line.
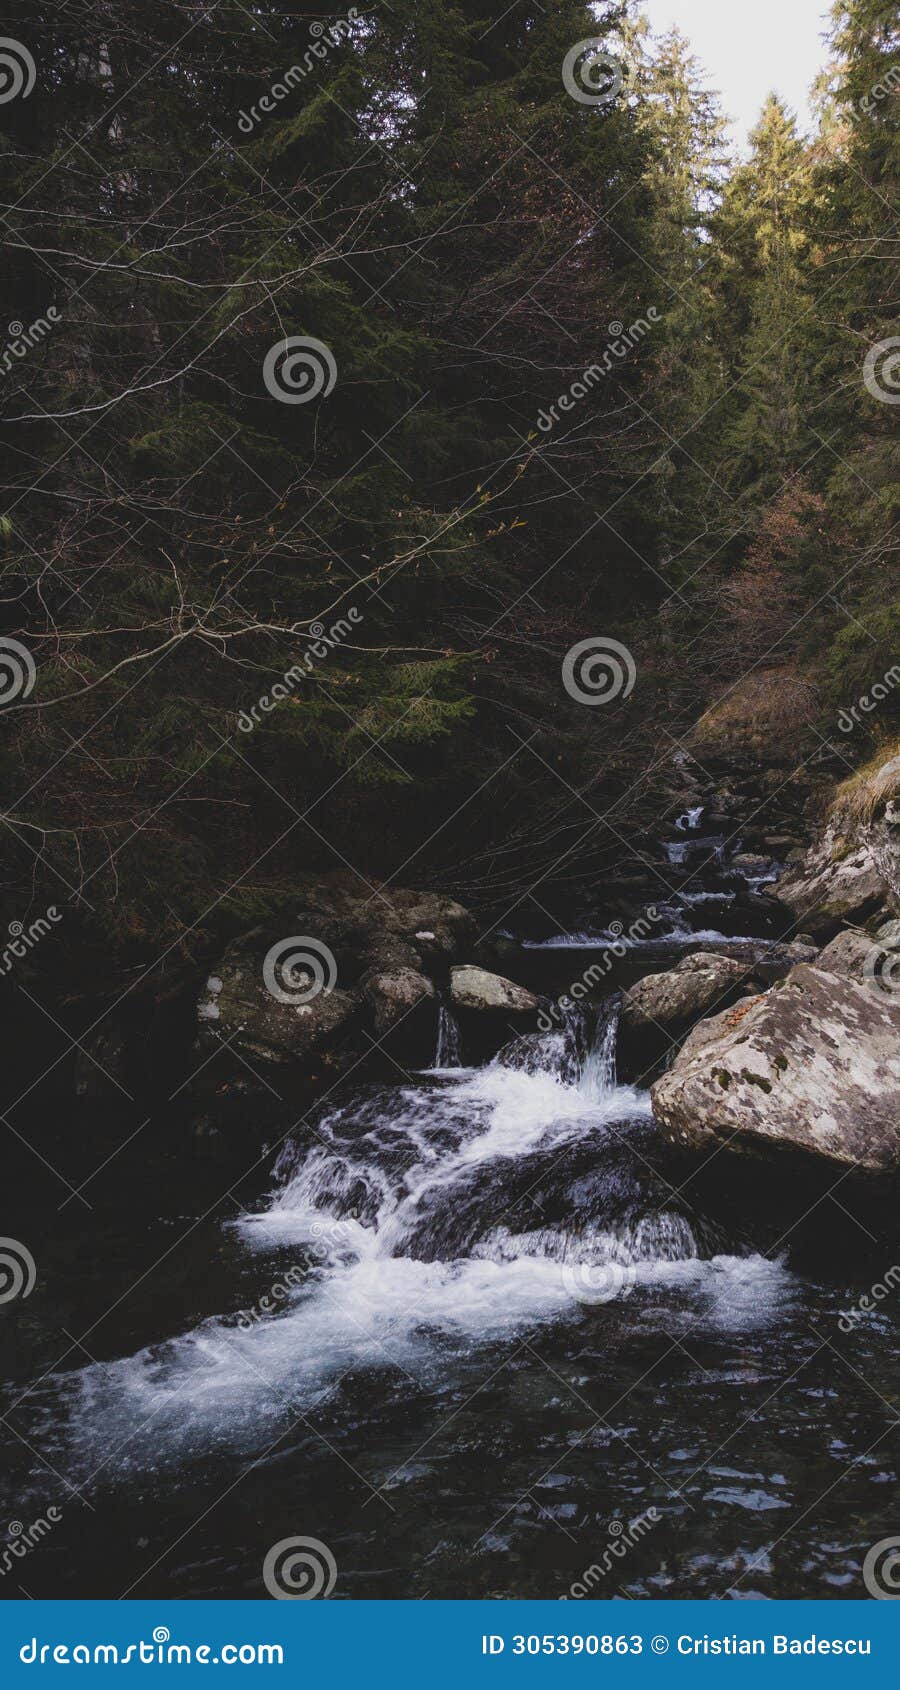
x=749, y=49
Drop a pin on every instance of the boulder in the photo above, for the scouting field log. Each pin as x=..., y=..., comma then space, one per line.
x=883, y=838
x=238, y=1013
x=811, y=1067
x=380, y=944
x=748, y=863
x=764, y=960
x=837, y=882
x=849, y=953
x=476, y=991
x=661, y=1008
x=363, y=916
x=402, y=1009
x=852, y=872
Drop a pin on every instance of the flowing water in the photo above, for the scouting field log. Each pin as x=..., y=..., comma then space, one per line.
x=477, y=1326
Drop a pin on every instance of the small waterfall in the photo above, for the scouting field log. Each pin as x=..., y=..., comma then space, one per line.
x=676, y=852
x=690, y=821
x=447, y=1051
x=679, y=927
x=598, y=1075
x=580, y=1052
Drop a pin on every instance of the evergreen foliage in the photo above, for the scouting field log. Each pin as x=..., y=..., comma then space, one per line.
x=421, y=195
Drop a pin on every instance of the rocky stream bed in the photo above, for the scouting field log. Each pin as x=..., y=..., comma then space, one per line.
x=546, y=1231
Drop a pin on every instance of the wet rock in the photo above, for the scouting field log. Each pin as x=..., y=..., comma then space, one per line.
x=239, y=1015
x=751, y=865
x=476, y=991
x=765, y=960
x=380, y=944
x=813, y=1066
x=434, y=925
x=661, y=1008
x=401, y=1003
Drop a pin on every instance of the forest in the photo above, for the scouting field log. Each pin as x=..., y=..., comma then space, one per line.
x=450, y=680
x=464, y=240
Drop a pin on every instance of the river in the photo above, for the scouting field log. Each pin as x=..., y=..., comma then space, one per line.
x=472, y=1332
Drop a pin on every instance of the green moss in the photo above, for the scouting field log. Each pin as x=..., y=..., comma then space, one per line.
x=757, y=1080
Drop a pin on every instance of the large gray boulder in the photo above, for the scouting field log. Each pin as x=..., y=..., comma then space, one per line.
x=661, y=1008
x=475, y=990
x=812, y=1066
